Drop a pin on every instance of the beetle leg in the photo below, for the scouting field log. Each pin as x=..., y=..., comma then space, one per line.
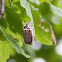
x=30, y=43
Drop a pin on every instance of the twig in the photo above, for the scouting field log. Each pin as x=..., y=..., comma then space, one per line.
x=2, y=9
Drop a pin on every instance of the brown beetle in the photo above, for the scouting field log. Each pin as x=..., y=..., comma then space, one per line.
x=28, y=34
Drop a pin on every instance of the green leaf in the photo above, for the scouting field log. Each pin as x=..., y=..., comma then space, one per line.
x=47, y=15
x=47, y=1
x=12, y=24
x=57, y=3
x=15, y=0
x=5, y=48
x=14, y=44
x=50, y=17
x=26, y=5
x=41, y=35
x=56, y=10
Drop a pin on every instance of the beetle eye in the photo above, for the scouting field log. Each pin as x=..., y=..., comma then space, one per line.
x=25, y=30
x=24, y=27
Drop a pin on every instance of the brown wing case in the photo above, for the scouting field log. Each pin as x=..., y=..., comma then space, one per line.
x=27, y=34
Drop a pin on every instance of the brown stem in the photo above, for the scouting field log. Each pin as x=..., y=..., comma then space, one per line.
x=52, y=35
x=2, y=9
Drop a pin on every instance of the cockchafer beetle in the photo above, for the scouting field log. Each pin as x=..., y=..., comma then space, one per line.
x=28, y=33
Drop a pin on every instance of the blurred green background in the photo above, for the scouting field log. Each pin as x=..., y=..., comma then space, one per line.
x=43, y=54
